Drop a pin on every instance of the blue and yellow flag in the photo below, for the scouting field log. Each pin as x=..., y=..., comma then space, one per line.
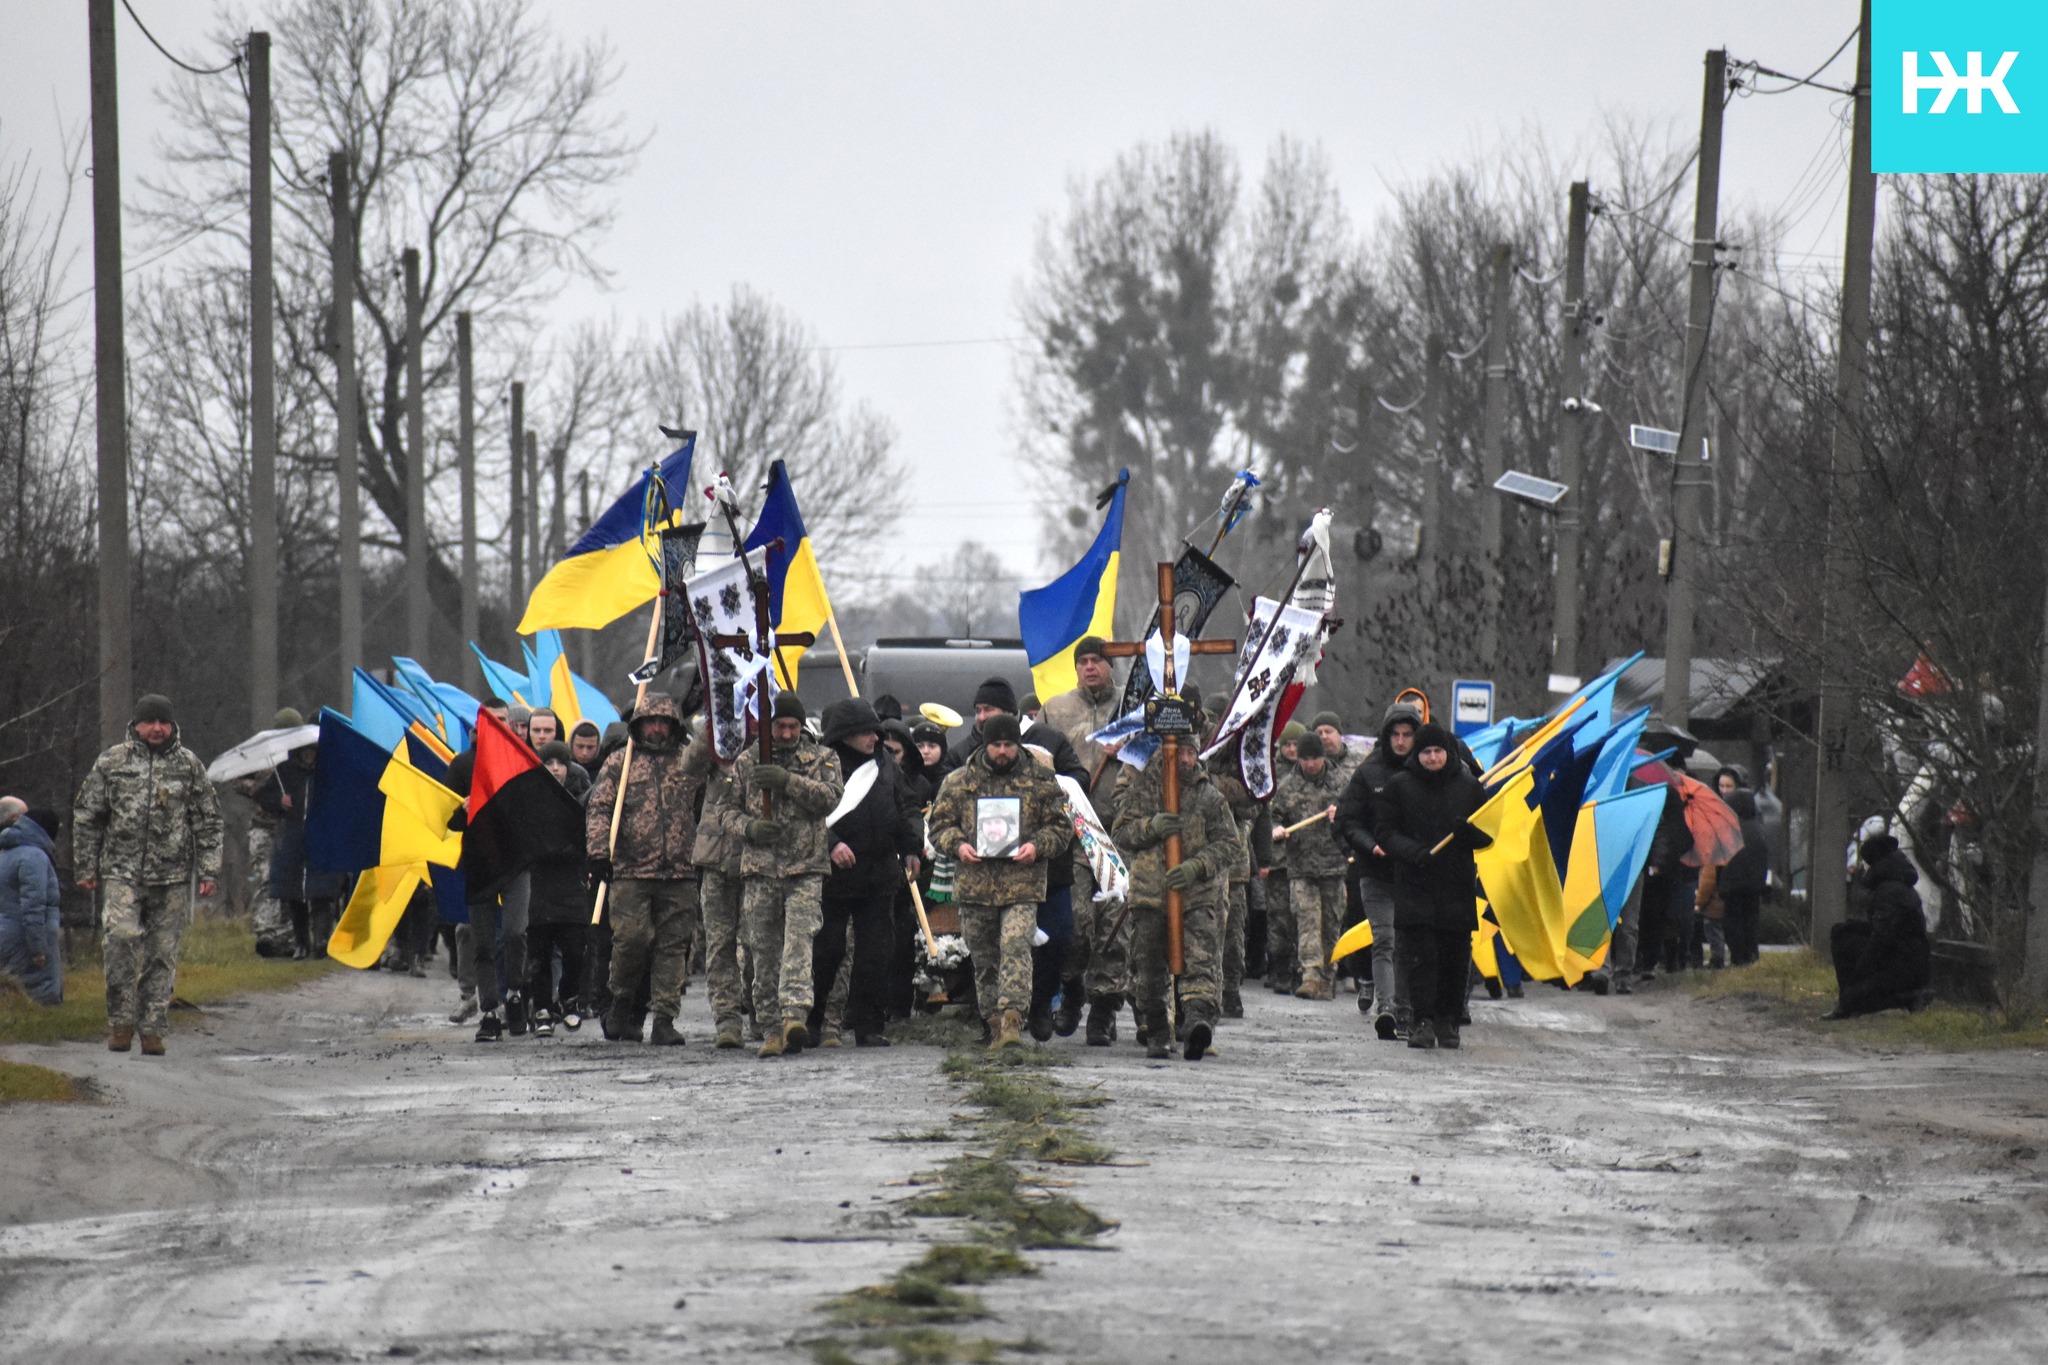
x=796, y=590
x=506, y=684
x=574, y=700
x=1079, y=603
x=614, y=566
x=1609, y=848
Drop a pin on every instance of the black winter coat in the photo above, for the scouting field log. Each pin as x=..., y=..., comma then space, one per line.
x=882, y=831
x=1748, y=872
x=1882, y=962
x=1355, y=807
x=1411, y=816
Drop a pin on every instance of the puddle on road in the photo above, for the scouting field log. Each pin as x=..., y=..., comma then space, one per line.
x=1521, y=1014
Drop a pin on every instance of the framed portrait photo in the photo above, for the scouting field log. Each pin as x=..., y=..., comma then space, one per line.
x=998, y=826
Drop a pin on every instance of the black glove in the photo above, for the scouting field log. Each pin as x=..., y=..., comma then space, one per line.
x=1163, y=825
x=600, y=870
x=1182, y=877
x=765, y=831
x=770, y=778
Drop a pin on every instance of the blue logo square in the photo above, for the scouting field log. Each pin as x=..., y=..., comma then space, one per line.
x=1959, y=86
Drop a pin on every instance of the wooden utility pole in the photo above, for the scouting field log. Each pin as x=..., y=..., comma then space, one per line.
x=418, y=620
x=1691, y=475
x=262, y=401
x=1828, y=890
x=584, y=638
x=348, y=484
x=1493, y=463
x=465, y=452
x=1430, y=542
x=1570, y=525
x=516, y=527
x=558, y=510
x=110, y=364
x=532, y=509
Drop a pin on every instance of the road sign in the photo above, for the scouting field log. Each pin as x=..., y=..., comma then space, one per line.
x=1471, y=706
x=1653, y=438
x=1529, y=488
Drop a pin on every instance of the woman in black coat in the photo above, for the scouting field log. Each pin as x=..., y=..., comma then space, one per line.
x=1883, y=962
x=1420, y=826
x=312, y=895
x=1742, y=881
x=869, y=845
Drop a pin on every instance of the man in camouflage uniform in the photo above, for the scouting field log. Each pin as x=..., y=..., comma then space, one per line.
x=1235, y=913
x=999, y=897
x=1283, y=947
x=1316, y=862
x=1209, y=850
x=721, y=834
x=1338, y=758
x=653, y=882
x=785, y=859
x=145, y=823
x=1096, y=969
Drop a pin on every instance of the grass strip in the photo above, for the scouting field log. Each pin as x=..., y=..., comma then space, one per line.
x=21, y=1082
x=1801, y=987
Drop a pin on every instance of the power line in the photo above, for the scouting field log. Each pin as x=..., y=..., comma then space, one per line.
x=171, y=57
x=1759, y=69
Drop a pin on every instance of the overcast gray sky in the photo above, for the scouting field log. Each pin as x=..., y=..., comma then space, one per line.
x=882, y=169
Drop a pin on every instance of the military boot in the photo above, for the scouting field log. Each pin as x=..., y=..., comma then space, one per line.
x=152, y=1045
x=1199, y=1034
x=1314, y=986
x=120, y=1038
x=1009, y=1030
x=772, y=1046
x=1041, y=1024
x=1158, y=1036
x=1102, y=1021
x=1233, y=1005
x=728, y=1034
x=1067, y=1017
x=796, y=1034
x=665, y=1034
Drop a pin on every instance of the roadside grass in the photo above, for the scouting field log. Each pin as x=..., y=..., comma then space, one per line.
x=1022, y=1115
x=217, y=961
x=20, y=1082
x=1802, y=987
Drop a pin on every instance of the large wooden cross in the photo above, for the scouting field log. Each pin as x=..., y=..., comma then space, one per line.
x=757, y=584
x=1171, y=718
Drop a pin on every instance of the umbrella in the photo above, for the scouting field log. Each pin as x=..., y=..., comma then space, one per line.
x=264, y=749
x=1716, y=831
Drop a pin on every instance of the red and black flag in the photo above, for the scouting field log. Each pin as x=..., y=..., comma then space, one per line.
x=517, y=812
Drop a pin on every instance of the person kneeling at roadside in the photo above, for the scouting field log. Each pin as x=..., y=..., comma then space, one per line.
x=1882, y=962
x=999, y=896
x=1420, y=826
x=1208, y=849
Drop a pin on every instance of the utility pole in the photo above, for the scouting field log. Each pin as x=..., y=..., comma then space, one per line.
x=262, y=402
x=558, y=512
x=1691, y=476
x=465, y=449
x=348, y=484
x=110, y=365
x=516, y=528
x=1570, y=525
x=1828, y=890
x=532, y=509
x=1429, y=555
x=1493, y=463
x=417, y=619
x=583, y=637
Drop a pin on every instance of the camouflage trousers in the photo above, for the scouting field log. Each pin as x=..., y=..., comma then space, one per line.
x=1283, y=952
x=140, y=946
x=652, y=924
x=1150, y=974
x=269, y=919
x=1318, y=904
x=999, y=940
x=722, y=896
x=1230, y=926
x=780, y=917
x=1101, y=964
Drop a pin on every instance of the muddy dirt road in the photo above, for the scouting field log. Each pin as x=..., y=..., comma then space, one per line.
x=338, y=1174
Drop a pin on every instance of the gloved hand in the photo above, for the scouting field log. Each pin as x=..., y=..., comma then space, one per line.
x=1163, y=825
x=764, y=831
x=771, y=778
x=600, y=870
x=1182, y=877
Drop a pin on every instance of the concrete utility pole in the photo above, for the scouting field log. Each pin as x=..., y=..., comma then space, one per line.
x=1571, y=419
x=516, y=528
x=1429, y=557
x=1493, y=463
x=532, y=509
x=584, y=638
x=465, y=442
x=348, y=484
x=558, y=511
x=110, y=364
x=1827, y=889
x=262, y=401
x=1691, y=476
x=418, y=614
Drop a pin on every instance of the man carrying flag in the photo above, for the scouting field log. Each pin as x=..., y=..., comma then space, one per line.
x=1078, y=606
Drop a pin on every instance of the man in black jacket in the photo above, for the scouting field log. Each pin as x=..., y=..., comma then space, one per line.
x=1420, y=826
x=872, y=845
x=1387, y=1006
x=1882, y=962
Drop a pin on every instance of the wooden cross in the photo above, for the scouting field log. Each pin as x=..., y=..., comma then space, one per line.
x=1167, y=716
x=757, y=584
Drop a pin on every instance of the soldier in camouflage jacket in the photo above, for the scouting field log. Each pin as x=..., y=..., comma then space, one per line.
x=721, y=835
x=1315, y=858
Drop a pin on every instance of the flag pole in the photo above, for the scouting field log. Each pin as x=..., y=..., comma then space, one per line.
x=845, y=664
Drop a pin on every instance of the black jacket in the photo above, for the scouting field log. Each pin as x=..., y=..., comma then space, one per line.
x=1355, y=806
x=1749, y=870
x=1411, y=816
x=882, y=830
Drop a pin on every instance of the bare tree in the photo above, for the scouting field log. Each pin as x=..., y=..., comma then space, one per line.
x=970, y=594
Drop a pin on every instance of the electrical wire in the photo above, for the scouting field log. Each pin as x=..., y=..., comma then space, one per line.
x=171, y=57
x=1758, y=68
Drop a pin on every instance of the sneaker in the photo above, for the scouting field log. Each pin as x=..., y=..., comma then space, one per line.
x=1384, y=1027
x=1624, y=986
x=515, y=1016
x=1421, y=1035
x=417, y=967
x=463, y=1012
x=571, y=1020
x=1447, y=1036
x=490, y=1028
x=1515, y=991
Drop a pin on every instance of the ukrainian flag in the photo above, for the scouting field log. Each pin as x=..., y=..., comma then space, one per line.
x=1079, y=603
x=613, y=567
x=1609, y=849
x=575, y=701
x=797, y=603
x=500, y=681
